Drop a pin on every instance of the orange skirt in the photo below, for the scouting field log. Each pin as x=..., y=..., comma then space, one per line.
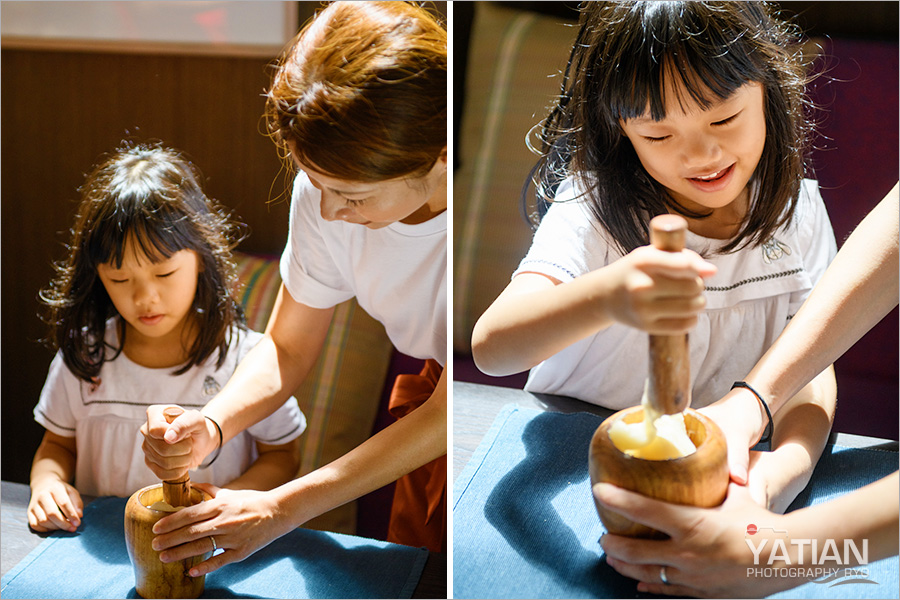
x=419, y=510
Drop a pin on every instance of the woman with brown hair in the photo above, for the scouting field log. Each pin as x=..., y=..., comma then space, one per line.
x=359, y=103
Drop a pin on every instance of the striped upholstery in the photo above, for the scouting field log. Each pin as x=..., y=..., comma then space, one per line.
x=259, y=281
x=512, y=57
x=340, y=397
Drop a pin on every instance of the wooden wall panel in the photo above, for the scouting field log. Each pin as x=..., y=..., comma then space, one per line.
x=60, y=112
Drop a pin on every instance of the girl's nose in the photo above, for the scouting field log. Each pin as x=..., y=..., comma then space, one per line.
x=145, y=294
x=701, y=151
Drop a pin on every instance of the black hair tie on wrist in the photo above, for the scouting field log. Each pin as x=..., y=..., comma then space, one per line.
x=219, y=447
x=767, y=432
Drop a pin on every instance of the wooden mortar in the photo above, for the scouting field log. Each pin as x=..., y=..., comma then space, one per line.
x=698, y=479
x=153, y=578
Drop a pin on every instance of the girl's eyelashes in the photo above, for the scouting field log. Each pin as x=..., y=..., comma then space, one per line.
x=355, y=202
x=161, y=275
x=728, y=120
x=656, y=139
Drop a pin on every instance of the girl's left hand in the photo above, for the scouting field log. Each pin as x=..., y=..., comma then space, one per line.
x=242, y=522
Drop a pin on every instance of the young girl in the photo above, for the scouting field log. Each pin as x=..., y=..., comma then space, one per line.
x=359, y=100
x=143, y=311
x=694, y=108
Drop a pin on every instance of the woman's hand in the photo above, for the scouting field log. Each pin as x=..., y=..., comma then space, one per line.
x=740, y=418
x=171, y=449
x=242, y=522
x=707, y=555
x=657, y=291
x=54, y=505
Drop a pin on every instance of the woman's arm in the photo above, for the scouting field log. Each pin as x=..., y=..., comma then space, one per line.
x=55, y=503
x=244, y=521
x=536, y=316
x=275, y=465
x=857, y=290
x=263, y=381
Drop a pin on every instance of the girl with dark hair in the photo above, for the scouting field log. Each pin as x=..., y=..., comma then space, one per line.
x=692, y=108
x=144, y=308
x=359, y=103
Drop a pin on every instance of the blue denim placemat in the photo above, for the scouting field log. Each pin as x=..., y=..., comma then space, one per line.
x=93, y=563
x=525, y=525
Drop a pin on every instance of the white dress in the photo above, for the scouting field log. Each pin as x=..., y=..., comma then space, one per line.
x=749, y=302
x=106, y=419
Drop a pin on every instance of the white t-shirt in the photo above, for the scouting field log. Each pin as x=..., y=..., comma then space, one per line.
x=398, y=273
x=749, y=302
x=106, y=419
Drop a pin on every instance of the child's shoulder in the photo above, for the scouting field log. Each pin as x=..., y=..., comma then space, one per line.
x=245, y=334
x=243, y=339
x=809, y=189
x=809, y=210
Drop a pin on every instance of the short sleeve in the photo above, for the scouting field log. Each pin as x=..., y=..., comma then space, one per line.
x=286, y=423
x=54, y=410
x=816, y=238
x=568, y=243
x=282, y=426
x=308, y=269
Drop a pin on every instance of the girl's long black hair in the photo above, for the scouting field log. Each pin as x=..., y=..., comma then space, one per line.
x=153, y=195
x=617, y=69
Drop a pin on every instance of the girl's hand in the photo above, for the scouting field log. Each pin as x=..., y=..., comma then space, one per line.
x=171, y=449
x=707, y=555
x=54, y=505
x=777, y=477
x=762, y=466
x=242, y=521
x=657, y=291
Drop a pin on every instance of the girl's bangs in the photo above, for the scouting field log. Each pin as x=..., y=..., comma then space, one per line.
x=711, y=63
x=158, y=232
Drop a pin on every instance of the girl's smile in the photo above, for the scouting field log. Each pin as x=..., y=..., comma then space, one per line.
x=713, y=182
x=704, y=157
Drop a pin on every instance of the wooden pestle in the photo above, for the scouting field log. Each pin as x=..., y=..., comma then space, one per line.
x=176, y=492
x=669, y=391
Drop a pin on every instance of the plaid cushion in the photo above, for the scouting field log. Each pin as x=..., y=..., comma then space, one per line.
x=340, y=396
x=513, y=56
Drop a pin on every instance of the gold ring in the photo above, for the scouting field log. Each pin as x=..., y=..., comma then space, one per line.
x=215, y=547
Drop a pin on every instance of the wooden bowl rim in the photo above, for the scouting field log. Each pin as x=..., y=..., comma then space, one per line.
x=138, y=497
x=625, y=412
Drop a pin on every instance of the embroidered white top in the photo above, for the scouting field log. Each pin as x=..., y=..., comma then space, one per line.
x=749, y=302
x=105, y=419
